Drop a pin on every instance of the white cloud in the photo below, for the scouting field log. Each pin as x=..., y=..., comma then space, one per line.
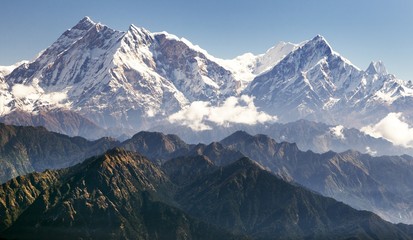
x=192, y=116
x=23, y=91
x=371, y=151
x=233, y=110
x=393, y=128
x=338, y=131
x=36, y=93
x=54, y=97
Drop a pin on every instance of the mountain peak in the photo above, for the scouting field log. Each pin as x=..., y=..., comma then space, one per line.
x=134, y=28
x=377, y=68
x=158, y=136
x=319, y=42
x=245, y=163
x=273, y=56
x=156, y=146
x=87, y=19
x=84, y=24
x=116, y=151
x=236, y=136
x=241, y=133
x=139, y=34
x=319, y=37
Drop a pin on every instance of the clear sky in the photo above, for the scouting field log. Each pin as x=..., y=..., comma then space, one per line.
x=360, y=30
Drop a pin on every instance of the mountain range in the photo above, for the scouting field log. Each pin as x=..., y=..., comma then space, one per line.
x=382, y=184
x=114, y=83
x=308, y=135
x=294, y=143
x=122, y=194
x=376, y=184
x=28, y=149
x=112, y=196
x=317, y=83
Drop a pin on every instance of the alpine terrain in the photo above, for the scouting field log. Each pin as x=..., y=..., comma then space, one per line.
x=110, y=134
x=115, y=83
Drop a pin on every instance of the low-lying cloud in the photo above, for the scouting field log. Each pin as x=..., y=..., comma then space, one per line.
x=393, y=128
x=23, y=91
x=338, y=131
x=199, y=115
x=33, y=93
x=54, y=97
x=370, y=151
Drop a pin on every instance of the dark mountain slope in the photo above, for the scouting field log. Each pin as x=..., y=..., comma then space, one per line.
x=19, y=193
x=28, y=149
x=185, y=170
x=58, y=120
x=158, y=147
x=383, y=185
x=123, y=195
x=244, y=197
x=217, y=153
x=114, y=196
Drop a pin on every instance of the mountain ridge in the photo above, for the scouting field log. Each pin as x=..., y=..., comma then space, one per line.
x=308, y=135
x=352, y=177
x=230, y=197
x=27, y=149
x=360, y=180
x=121, y=194
x=147, y=77
x=115, y=195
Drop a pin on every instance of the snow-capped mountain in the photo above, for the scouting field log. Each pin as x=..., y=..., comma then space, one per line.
x=247, y=66
x=134, y=80
x=118, y=78
x=6, y=70
x=317, y=83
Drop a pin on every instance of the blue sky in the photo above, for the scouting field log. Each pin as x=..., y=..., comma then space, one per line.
x=362, y=30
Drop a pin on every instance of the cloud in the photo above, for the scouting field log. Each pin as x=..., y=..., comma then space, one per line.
x=192, y=116
x=371, y=151
x=338, y=131
x=23, y=91
x=54, y=97
x=198, y=115
x=393, y=128
x=37, y=94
